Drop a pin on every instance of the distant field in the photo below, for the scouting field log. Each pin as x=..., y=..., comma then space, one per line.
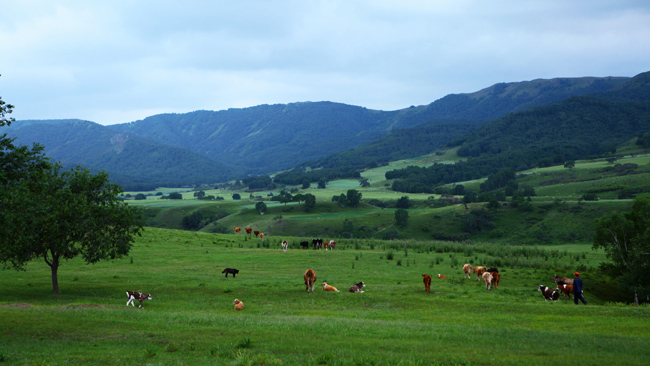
x=191, y=320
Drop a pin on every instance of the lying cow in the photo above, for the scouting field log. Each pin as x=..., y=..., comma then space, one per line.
x=238, y=305
x=441, y=276
x=358, y=287
x=134, y=295
x=567, y=290
x=230, y=270
x=548, y=293
x=327, y=287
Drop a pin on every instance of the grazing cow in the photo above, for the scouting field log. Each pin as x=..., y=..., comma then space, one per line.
x=326, y=244
x=562, y=280
x=332, y=244
x=285, y=245
x=238, y=305
x=479, y=272
x=261, y=236
x=548, y=293
x=567, y=290
x=317, y=243
x=496, y=278
x=304, y=244
x=467, y=270
x=327, y=287
x=134, y=295
x=487, y=278
x=310, y=279
x=357, y=287
x=248, y=231
x=230, y=270
x=237, y=230
x=256, y=232
x=427, y=282
x=493, y=269
x=441, y=276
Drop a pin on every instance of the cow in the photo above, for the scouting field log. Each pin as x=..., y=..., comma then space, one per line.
x=562, y=280
x=441, y=277
x=304, y=244
x=332, y=244
x=310, y=279
x=567, y=290
x=479, y=272
x=134, y=295
x=248, y=231
x=327, y=287
x=261, y=236
x=427, y=282
x=256, y=232
x=237, y=230
x=326, y=244
x=548, y=293
x=357, y=287
x=317, y=243
x=238, y=305
x=496, y=278
x=493, y=269
x=467, y=270
x=487, y=278
x=230, y=270
x=285, y=245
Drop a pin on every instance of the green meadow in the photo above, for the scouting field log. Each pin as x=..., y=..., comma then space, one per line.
x=191, y=321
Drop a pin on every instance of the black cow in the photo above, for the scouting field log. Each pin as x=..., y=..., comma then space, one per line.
x=304, y=244
x=230, y=270
x=493, y=269
x=317, y=243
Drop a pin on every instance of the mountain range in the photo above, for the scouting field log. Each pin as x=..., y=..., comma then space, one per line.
x=216, y=146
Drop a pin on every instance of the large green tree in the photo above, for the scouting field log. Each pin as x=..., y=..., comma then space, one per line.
x=625, y=237
x=353, y=197
x=58, y=215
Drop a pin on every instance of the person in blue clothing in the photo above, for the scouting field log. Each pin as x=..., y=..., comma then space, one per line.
x=577, y=289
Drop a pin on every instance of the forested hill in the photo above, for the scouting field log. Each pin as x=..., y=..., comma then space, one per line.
x=132, y=161
x=577, y=128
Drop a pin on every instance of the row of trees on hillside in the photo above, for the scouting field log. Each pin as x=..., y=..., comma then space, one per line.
x=55, y=214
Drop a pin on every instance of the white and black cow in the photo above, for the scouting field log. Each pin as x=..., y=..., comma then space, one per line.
x=285, y=245
x=134, y=295
x=358, y=287
x=549, y=294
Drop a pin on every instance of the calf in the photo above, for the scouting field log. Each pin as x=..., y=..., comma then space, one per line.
x=567, y=290
x=562, y=280
x=358, y=287
x=310, y=279
x=327, y=287
x=467, y=270
x=304, y=244
x=134, y=295
x=285, y=245
x=548, y=293
x=479, y=271
x=230, y=270
x=441, y=276
x=332, y=244
x=238, y=305
x=487, y=278
x=427, y=282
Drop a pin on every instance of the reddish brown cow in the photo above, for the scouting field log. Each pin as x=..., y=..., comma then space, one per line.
x=310, y=279
x=237, y=230
x=249, y=231
x=427, y=282
x=256, y=232
x=496, y=278
x=567, y=290
x=479, y=272
x=441, y=276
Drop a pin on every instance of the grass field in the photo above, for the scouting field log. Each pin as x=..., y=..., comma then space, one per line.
x=191, y=320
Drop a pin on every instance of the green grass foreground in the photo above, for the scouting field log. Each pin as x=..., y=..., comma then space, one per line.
x=191, y=320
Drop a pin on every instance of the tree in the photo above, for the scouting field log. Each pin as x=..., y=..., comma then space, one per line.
x=401, y=217
x=625, y=237
x=310, y=201
x=403, y=202
x=364, y=183
x=343, y=200
x=140, y=196
x=260, y=207
x=200, y=194
x=236, y=196
x=306, y=184
x=322, y=183
x=353, y=197
x=58, y=215
x=569, y=164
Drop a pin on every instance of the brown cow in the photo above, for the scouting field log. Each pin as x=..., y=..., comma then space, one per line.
x=262, y=236
x=427, y=282
x=441, y=276
x=256, y=232
x=238, y=305
x=332, y=244
x=562, y=280
x=479, y=272
x=237, y=230
x=249, y=231
x=496, y=278
x=310, y=279
x=467, y=270
x=567, y=290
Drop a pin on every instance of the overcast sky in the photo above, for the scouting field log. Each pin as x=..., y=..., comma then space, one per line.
x=120, y=61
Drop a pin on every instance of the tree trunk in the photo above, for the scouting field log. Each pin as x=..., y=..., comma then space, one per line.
x=55, y=278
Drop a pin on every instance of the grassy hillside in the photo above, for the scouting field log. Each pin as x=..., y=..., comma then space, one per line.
x=191, y=321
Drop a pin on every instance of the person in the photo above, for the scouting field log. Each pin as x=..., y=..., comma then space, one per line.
x=577, y=289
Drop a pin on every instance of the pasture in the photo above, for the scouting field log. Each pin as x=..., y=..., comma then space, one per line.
x=191, y=321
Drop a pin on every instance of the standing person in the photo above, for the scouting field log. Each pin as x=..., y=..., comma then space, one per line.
x=577, y=289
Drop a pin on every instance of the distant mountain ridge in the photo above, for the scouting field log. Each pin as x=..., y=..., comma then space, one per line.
x=269, y=138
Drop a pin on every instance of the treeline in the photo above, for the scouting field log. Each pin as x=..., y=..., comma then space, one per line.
x=300, y=176
x=578, y=128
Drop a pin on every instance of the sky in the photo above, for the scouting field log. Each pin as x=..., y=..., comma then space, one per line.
x=120, y=61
